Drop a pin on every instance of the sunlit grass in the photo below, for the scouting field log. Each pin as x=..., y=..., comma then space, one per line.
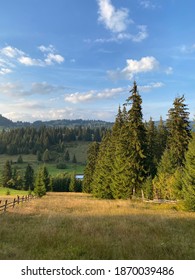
x=77, y=226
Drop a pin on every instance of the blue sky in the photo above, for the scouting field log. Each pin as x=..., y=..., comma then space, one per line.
x=78, y=59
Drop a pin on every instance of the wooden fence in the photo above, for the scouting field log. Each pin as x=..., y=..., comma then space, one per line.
x=11, y=204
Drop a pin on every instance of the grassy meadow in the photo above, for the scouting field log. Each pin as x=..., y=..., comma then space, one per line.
x=77, y=226
x=77, y=148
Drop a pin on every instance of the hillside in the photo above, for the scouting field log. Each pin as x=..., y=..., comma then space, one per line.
x=4, y=122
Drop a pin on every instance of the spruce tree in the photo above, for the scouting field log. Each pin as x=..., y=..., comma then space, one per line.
x=119, y=180
x=7, y=173
x=102, y=173
x=134, y=139
x=39, y=189
x=46, y=178
x=179, y=132
x=188, y=180
x=92, y=155
x=152, y=150
x=29, y=178
x=74, y=160
x=173, y=158
x=67, y=156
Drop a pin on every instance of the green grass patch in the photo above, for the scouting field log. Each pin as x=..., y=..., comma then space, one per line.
x=12, y=192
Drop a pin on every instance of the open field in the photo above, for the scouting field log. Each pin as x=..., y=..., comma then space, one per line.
x=77, y=226
x=32, y=159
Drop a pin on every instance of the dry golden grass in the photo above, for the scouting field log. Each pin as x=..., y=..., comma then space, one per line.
x=77, y=226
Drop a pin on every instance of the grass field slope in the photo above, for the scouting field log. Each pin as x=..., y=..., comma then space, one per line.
x=77, y=226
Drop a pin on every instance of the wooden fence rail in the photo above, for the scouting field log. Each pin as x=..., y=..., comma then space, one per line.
x=18, y=200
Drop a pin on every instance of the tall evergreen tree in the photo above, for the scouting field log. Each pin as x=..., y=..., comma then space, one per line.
x=152, y=150
x=179, y=132
x=92, y=155
x=29, y=178
x=46, y=178
x=39, y=189
x=134, y=138
x=119, y=179
x=102, y=174
x=188, y=180
x=173, y=158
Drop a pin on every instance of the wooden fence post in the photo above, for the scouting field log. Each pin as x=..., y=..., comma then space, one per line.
x=14, y=202
x=18, y=199
x=5, y=205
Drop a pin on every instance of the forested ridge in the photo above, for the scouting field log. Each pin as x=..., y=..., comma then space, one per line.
x=30, y=139
x=139, y=159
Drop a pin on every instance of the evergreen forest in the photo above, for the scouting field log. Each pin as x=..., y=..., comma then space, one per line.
x=138, y=159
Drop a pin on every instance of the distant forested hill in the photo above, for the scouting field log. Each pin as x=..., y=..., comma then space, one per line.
x=5, y=122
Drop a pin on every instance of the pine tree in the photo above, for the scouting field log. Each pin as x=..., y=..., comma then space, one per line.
x=39, y=189
x=46, y=178
x=188, y=180
x=119, y=180
x=102, y=174
x=90, y=166
x=74, y=160
x=29, y=178
x=67, y=156
x=134, y=139
x=151, y=135
x=7, y=173
x=20, y=159
x=179, y=132
x=173, y=158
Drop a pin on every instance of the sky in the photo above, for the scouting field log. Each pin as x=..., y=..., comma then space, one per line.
x=70, y=59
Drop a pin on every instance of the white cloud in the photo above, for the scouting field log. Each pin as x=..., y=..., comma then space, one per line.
x=144, y=65
x=49, y=48
x=146, y=4
x=151, y=86
x=141, y=35
x=28, y=61
x=11, y=52
x=4, y=71
x=93, y=95
x=10, y=57
x=52, y=58
x=116, y=20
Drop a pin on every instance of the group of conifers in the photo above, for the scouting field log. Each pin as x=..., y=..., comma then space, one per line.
x=144, y=159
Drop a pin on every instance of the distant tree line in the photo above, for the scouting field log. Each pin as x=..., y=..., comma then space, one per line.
x=27, y=140
x=139, y=159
